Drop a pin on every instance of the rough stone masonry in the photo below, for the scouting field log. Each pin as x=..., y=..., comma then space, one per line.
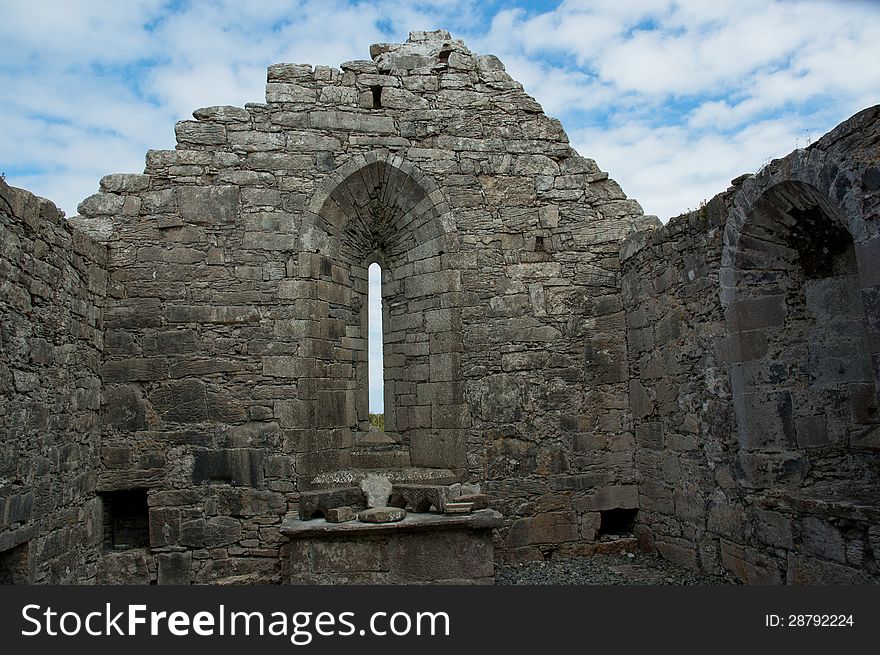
x=188, y=356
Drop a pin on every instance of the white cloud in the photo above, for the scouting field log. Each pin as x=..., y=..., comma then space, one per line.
x=676, y=169
x=683, y=96
x=672, y=98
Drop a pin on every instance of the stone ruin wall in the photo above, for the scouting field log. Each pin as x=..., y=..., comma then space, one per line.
x=754, y=370
x=216, y=318
x=53, y=283
x=234, y=361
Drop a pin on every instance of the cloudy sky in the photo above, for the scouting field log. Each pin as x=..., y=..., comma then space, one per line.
x=673, y=98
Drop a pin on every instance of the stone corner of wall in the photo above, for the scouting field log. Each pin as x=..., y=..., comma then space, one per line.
x=90, y=236
x=635, y=241
x=29, y=207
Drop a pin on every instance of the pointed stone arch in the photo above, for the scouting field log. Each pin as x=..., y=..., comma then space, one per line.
x=379, y=207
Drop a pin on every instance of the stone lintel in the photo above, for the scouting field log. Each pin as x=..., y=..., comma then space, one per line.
x=486, y=519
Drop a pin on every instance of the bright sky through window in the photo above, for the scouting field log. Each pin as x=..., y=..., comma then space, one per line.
x=375, y=356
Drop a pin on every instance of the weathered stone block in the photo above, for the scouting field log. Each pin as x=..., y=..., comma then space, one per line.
x=811, y=431
x=212, y=533
x=288, y=92
x=578, y=482
x=678, y=552
x=101, y=204
x=748, y=565
x=137, y=369
x=174, y=568
x=208, y=205
x=335, y=409
x=500, y=398
x=346, y=556
x=743, y=347
x=294, y=413
x=690, y=505
x=650, y=435
x=124, y=408
x=804, y=570
x=340, y=514
x=124, y=568
x=461, y=556
x=640, y=402
x=821, y=538
x=124, y=183
x=756, y=313
x=211, y=314
x=134, y=313
x=200, y=133
x=764, y=419
x=314, y=462
x=239, y=571
x=347, y=121
x=164, y=526
x=551, y=527
x=726, y=518
x=243, y=501
x=237, y=466
x=180, y=401
x=773, y=529
x=624, y=496
x=288, y=366
x=441, y=449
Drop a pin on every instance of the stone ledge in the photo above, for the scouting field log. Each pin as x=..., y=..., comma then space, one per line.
x=842, y=500
x=485, y=519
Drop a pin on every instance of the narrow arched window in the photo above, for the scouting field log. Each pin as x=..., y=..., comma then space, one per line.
x=375, y=357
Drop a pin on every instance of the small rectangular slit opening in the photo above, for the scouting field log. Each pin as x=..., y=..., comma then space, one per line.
x=377, y=96
x=618, y=522
x=126, y=519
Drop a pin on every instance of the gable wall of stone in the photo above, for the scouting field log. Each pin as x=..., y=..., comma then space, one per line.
x=221, y=363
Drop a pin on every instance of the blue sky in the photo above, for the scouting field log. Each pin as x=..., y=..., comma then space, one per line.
x=672, y=98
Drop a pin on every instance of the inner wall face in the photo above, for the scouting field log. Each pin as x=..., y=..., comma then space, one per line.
x=752, y=340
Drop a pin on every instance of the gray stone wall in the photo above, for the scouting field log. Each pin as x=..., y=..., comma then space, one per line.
x=53, y=283
x=679, y=387
x=235, y=359
x=752, y=341
x=173, y=382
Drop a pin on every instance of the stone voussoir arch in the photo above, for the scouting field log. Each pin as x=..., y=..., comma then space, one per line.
x=832, y=185
x=379, y=207
x=314, y=235
x=794, y=271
